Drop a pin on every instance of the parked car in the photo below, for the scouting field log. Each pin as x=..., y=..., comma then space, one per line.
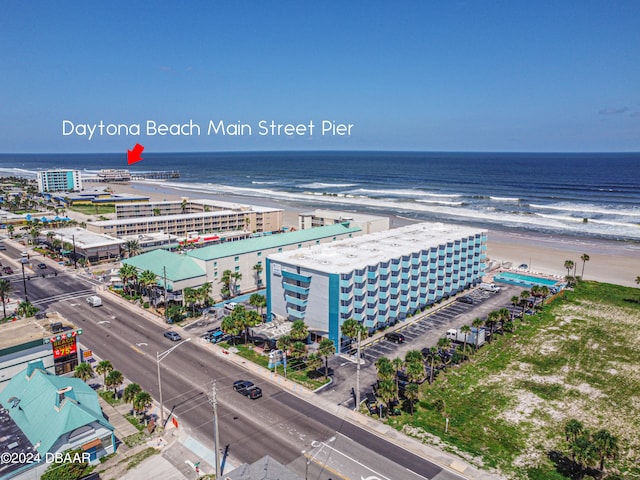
x=247, y=389
x=394, y=337
x=173, y=336
x=371, y=402
x=8, y=270
x=3, y=246
x=42, y=266
x=465, y=299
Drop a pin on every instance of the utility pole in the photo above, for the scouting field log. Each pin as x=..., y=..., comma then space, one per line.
x=216, y=440
x=75, y=257
x=358, y=373
x=166, y=295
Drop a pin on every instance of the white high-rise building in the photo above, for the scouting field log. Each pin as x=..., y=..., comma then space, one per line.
x=59, y=180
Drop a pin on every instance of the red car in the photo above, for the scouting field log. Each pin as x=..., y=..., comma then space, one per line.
x=7, y=270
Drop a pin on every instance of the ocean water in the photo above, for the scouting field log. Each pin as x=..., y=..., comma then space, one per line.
x=591, y=195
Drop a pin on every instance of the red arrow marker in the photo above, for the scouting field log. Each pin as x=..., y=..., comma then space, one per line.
x=133, y=156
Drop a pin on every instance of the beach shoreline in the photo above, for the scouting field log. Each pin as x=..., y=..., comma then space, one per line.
x=609, y=261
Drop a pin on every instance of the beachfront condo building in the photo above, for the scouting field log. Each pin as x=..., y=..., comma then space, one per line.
x=377, y=279
x=59, y=180
x=320, y=218
x=253, y=219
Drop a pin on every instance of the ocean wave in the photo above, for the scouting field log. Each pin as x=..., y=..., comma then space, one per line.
x=316, y=185
x=256, y=182
x=440, y=202
x=504, y=199
x=471, y=214
x=405, y=192
x=589, y=208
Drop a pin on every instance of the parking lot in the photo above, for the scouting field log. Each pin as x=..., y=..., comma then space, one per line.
x=419, y=332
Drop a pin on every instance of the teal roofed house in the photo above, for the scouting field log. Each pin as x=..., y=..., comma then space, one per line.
x=179, y=270
x=56, y=414
x=244, y=257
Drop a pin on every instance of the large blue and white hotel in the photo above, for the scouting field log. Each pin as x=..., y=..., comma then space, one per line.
x=377, y=279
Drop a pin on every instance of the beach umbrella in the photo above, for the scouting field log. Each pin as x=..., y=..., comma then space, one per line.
x=44, y=219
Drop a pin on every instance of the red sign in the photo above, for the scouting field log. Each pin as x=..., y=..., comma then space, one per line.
x=64, y=347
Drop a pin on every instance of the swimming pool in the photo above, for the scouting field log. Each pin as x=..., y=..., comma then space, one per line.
x=523, y=280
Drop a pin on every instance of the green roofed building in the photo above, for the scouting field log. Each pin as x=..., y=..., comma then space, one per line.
x=55, y=414
x=244, y=257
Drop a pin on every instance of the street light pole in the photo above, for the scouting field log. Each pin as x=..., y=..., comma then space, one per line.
x=159, y=357
x=24, y=283
x=310, y=459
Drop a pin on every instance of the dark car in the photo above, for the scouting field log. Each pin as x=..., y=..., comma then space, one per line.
x=247, y=388
x=371, y=402
x=394, y=337
x=42, y=266
x=465, y=299
x=173, y=336
x=7, y=270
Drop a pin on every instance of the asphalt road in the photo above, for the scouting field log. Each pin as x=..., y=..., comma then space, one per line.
x=279, y=424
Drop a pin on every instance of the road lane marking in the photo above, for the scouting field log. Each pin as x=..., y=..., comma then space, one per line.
x=138, y=350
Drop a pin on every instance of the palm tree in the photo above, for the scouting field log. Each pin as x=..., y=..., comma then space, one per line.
x=585, y=258
x=235, y=277
x=132, y=247
x=477, y=324
x=231, y=327
x=156, y=212
x=491, y=321
x=203, y=293
x=314, y=362
x=415, y=369
x=515, y=301
x=114, y=379
x=524, y=299
x=412, y=394
x=326, y=349
x=569, y=264
x=298, y=350
x=606, y=446
x=398, y=365
x=183, y=205
x=299, y=331
x=127, y=272
x=10, y=229
x=5, y=290
x=130, y=393
x=142, y=402
x=433, y=357
x=258, y=269
x=190, y=298
x=284, y=343
x=147, y=279
x=584, y=451
x=387, y=392
x=385, y=369
x=225, y=280
x=83, y=371
x=351, y=327
x=258, y=301
x=466, y=329
x=252, y=319
x=103, y=368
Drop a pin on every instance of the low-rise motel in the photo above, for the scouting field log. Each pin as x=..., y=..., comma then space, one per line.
x=244, y=257
x=376, y=279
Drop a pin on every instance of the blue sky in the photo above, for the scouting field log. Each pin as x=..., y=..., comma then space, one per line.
x=424, y=75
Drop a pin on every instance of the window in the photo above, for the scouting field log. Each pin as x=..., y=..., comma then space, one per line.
x=299, y=245
x=215, y=264
x=236, y=259
x=280, y=250
x=259, y=254
x=237, y=268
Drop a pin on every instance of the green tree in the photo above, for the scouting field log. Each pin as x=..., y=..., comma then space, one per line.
x=572, y=430
x=585, y=258
x=127, y=273
x=385, y=369
x=415, y=370
x=11, y=229
x=398, y=365
x=466, y=330
x=284, y=343
x=433, y=358
x=190, y=298
x=314, y=362
x=606, y=446
x=351, y=327
x=130, y=392
x=569, y=264
x=147, y=280
x=258, y=301
x=299, y=330
x=27, y=309
x=83, y=371
x=298, y=350
x=235, y=279
x=387, y=392
x=114, y=379
x=257, y=268
x=477, y=324
x=326, y=349
x=226, y=280
x=132, y=248
x=103, y=368
x=142, y=402
x=5, y=290
x=231, y=327
x=524, y=300
x=204, y=293
x=412, y=394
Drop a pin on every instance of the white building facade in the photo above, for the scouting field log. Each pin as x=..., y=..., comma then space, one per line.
x=59, y=181
x=377, y=279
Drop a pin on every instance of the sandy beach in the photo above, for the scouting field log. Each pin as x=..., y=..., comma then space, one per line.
x=609, y=261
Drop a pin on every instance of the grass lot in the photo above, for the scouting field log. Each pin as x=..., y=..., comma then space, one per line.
x=98, y=209
x=507, y=408
x=303, y=377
